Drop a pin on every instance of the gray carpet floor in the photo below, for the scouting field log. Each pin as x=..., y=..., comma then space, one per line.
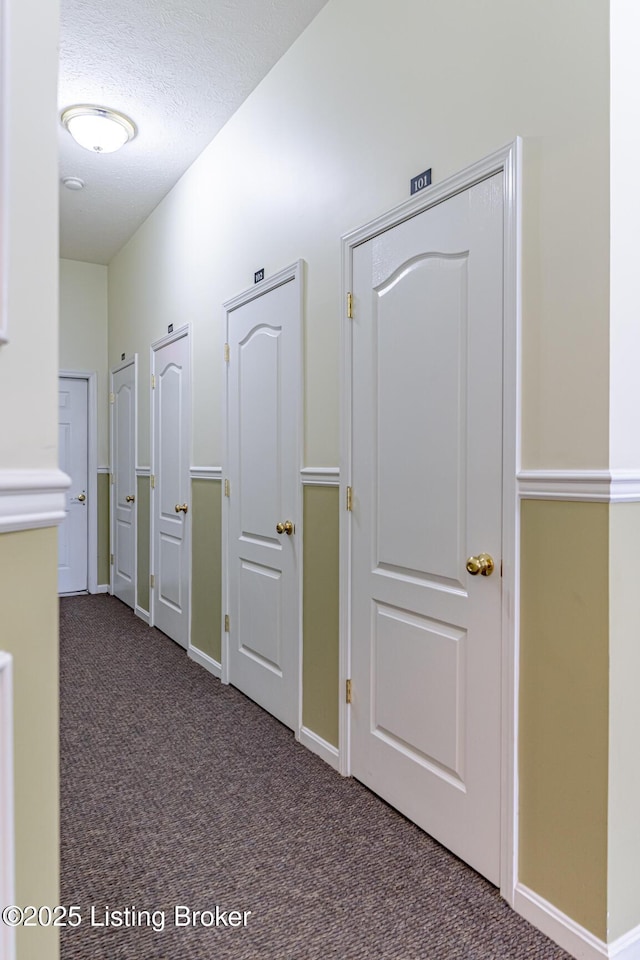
x=177, y=790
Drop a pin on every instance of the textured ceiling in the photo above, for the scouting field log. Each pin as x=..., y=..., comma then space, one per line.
x=179, y=69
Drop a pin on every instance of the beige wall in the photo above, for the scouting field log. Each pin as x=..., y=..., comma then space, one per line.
x=28, y=439
x=144, y=502
x=368, y=96
x=320, y=627
x=206, y=567
x=83, y=334
x=564, y=704
x=28, y=574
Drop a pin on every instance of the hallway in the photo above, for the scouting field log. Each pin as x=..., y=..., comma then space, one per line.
x=176, y=790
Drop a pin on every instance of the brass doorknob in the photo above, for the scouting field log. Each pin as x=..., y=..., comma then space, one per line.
x=130, y=499
x=483, y=564
x=82, y=497
x=181, y=507
x=286, y=527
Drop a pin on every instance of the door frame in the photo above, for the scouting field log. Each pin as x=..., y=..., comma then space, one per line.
x=294, y=272
x=183, y=331
x=508, y=161
x=118, y=367
x=92, y=471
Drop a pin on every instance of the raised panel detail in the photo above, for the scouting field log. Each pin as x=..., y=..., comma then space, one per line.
x=124, y=549
x=420, y=322
x=418, y=688
x=170, y=573
x=260, y=614
x=170, y=416
x=259, y=419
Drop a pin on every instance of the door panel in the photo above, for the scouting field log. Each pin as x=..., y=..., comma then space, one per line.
x=263, y=468
x=426, y=475
x=73, y=426
x=172, y=528
x=124, y=483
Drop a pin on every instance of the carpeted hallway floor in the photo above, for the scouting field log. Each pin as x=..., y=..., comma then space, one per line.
x=179, y=791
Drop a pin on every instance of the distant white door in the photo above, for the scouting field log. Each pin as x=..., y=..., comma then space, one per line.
x=73, y=427
x=171, y=493
x=263, y=468
x=123, y=461
x=427, y=489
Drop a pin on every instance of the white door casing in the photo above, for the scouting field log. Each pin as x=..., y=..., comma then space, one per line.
x=262, y=572
x=123, y=474
x=73, y=447
x=421, y=639
x=171, y=485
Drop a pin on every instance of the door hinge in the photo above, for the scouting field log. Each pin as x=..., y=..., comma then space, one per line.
x=111, y=559
x=227, y=626
x=152, y=581
x=113, y=479
x=350, y=306
x=349, y=498
x=112, y=398
x=227, y=488
x=348, y=691
x=227, y=352
x=153, y=481
x=153, y=381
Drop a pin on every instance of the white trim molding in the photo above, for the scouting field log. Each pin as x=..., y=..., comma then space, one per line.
x=595, y=486
x=142, y=613
x=507, y=161
x=322, y=748
x=571, y=936
x=204, y=660
x=103, y=470
x=143, y=471
x=32, y=498
x=320, y=476
x=7, y=860
x=206, y=473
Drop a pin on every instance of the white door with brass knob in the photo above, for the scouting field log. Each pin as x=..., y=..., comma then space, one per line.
x=123, y=486
x=73, y=459
x=171, y=485
x=425, y=525
x=261, y=653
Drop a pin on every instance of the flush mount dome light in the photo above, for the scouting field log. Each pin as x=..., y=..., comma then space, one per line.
x=97, y=128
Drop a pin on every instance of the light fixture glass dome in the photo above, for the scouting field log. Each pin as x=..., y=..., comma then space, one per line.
x=97, y=128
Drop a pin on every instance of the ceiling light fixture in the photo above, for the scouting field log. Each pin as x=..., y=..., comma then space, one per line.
x=97, y=128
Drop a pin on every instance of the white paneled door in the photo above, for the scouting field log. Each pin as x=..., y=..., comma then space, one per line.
x=263, y=467
x=426, y=520
x=123, y=466
x=171, y=398
x=73, y=427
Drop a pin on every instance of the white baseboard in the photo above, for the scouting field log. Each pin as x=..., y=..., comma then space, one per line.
x=626, y=947
x=204, y=660
x=575, y=939
x=322, y=748
x=143, y=614
x=102, y=588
